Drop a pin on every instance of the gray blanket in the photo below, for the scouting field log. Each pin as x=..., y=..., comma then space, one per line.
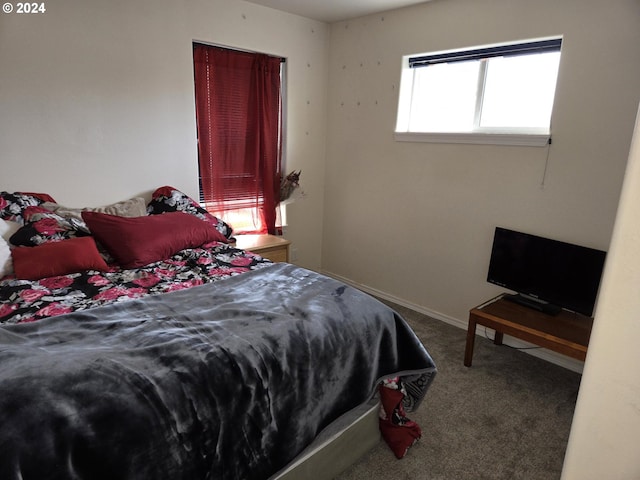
x=229, y=380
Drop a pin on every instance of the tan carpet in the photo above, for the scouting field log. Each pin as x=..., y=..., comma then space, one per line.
x=507, y=417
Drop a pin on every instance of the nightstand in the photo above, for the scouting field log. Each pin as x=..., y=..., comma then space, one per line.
x=272, y=247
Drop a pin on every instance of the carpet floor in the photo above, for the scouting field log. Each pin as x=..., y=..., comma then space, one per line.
x=507, y=417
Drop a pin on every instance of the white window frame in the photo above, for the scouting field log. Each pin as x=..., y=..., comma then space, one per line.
x=535, y=137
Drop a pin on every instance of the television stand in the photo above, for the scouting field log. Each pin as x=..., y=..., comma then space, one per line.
x=567, y=332
x=536, y=304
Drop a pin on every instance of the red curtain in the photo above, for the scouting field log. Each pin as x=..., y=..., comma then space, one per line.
x=238, y=109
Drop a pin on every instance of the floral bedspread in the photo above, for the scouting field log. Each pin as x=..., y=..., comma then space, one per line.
x=27, y=301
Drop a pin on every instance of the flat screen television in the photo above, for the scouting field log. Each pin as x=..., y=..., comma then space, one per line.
x=546, y=274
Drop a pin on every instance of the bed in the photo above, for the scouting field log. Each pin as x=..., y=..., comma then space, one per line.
x=163, y=352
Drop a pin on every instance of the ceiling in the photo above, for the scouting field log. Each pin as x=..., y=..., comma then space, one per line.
x=335, y=10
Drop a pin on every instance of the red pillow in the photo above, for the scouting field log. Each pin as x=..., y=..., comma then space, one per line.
x=57, y=258
x=138, y=241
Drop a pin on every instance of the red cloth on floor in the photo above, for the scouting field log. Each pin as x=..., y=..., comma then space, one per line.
x=398, y=431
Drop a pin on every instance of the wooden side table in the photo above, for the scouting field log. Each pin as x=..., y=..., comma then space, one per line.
x=272, y=247
x=567, y=332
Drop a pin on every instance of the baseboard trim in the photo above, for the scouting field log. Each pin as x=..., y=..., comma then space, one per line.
x=542, y=353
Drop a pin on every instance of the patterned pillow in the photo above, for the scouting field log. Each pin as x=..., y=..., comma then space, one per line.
x=12, y=205
x=42, y=226
x=168, y=199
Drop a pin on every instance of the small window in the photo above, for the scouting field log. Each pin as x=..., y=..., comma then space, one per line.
x=494, y=94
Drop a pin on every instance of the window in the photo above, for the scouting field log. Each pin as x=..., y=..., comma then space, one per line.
x=494, y=94
x=239, y=127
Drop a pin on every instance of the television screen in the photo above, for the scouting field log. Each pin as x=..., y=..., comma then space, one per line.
x=551, y=271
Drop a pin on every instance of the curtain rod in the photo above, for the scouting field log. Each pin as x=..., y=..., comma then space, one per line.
x=282, y=59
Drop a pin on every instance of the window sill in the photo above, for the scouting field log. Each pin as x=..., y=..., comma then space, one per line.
x=517, y=139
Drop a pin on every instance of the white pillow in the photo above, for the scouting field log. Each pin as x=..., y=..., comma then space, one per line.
x=6, y=265
x=8, y=228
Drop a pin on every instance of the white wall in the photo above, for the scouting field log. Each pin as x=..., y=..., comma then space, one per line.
x=416, y=220
x=97, y=105
x=605, y=433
